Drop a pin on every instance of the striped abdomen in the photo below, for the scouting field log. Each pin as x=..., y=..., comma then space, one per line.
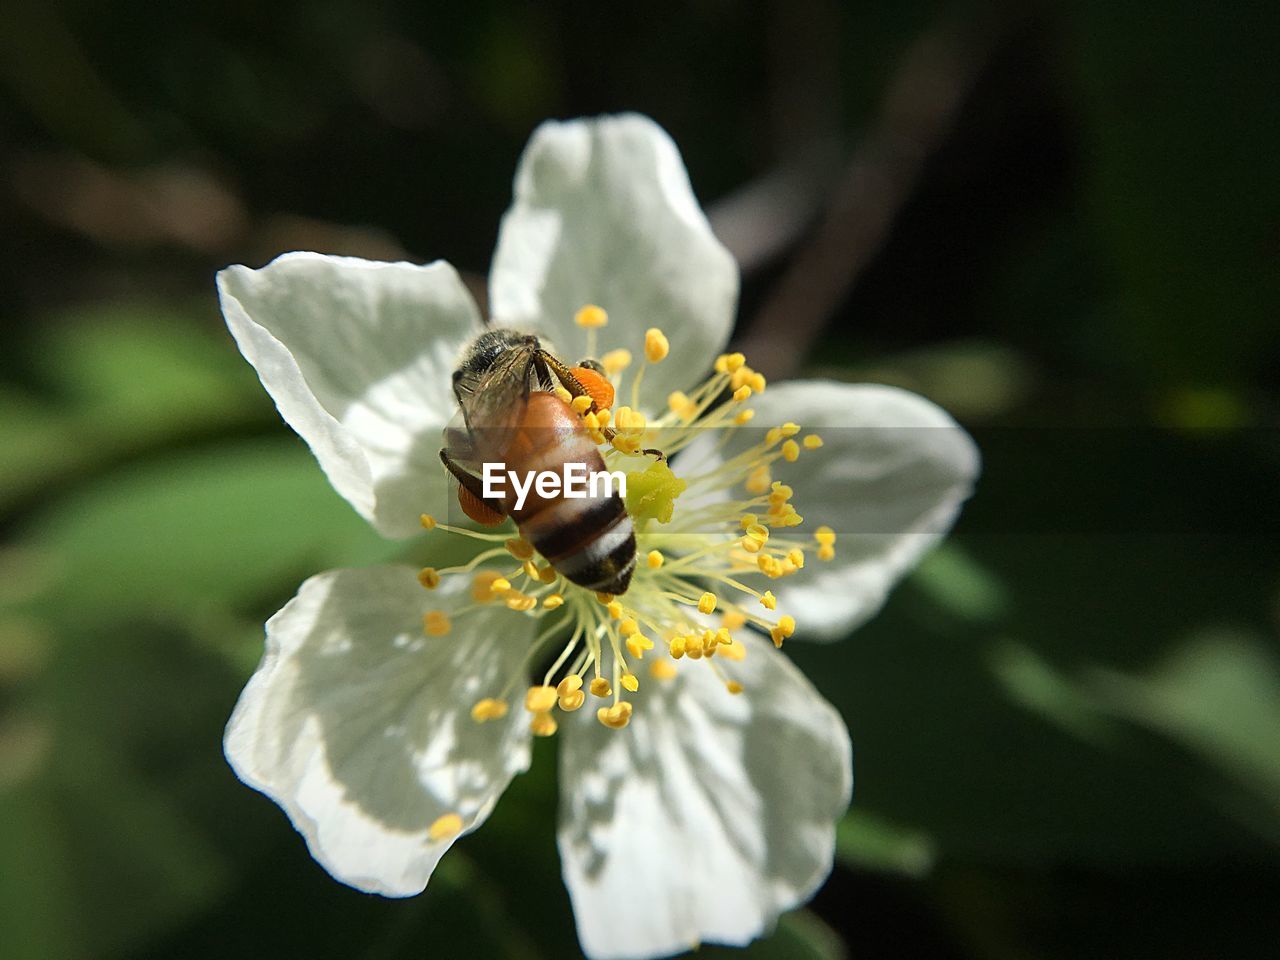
x=589, y=540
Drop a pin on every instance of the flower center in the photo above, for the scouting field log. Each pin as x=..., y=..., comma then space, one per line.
x=705, y=526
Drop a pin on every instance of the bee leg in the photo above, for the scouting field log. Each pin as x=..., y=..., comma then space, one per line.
x=471, y=482
x=564, y=375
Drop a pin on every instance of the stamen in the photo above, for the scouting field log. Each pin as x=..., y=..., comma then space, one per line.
x=654, y=559
x=600, y=687
x=615, y=717
x=543, y=725
x=552, y=601
x=428, y=521
x=540, y=699
x=656, y=346
x=591, y=317
x=436, y=623
x=488, y=709
x=615, y=361
x=812, y=442
x=429, y=577
x=662, y=670
x=707, y=603
x=791, y=451
x=444, y=828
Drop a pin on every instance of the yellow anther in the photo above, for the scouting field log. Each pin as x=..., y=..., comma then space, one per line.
x=572, y=701
x=562, y=393
x=812, y=442
x=740, y=377
x=787, y=624
x=630, y=682
x=742, y=393
x=723, y=636
x=792, y=519
x=547, y=574
x=751, y=546
x=604, y=598
x=796, y=556
x=825, y=536
x=590, y=421
x=757, y=382
x=444, y=828
x=436, y=623
x=790, y=429
x=569, y=684
x=581, y=404
x=707, y=603
x=734, y=687
x=791, y=451
x=656, y=346
x=627, y=445
x=500, y=585
x=543, y=725
x=733, y=362
x=552, y=601
x=758, y=533
x=654, y=559
x=488, y=709
x=520, y=548
x=604, y=416
x=733, y=619
x=769, y=601
x=531, y=570
x=758, y=479
x=693, y=648
x=482, y=586
x=428, y=521
x=520, y=601
x=780, y=492
x=600, y=687
x=632, y=421
x=773, y=436
x=615, y=717
x=743, y=416
x=710, y=642
x=591, y=316
x=676, y=647
x=826, y=552
x=680, y=404
x=662, y=670
x=540, y=699
x=748, y=520
x=615, y=361
x=638, y=644
x=734, y=651
x=615, y=609
x=429, y=577
x=769, y=566
x=628, y=626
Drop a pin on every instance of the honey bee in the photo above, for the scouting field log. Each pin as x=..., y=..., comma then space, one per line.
x=510, y=414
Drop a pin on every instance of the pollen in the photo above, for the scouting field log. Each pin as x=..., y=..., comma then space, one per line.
x=519, y=548
x=791, y=451
x=812, y=442
x=730, y=362
x=662, y=670
x=615, y=609
x=428, y=521
x=758, y=479
x=521, y=602
x=734, y=687
x=654, y=559
x=638, y=644
x=769, y=601
x=552, y=601
x=742, y=393
x=604, y=598
x=488, y=709
x=743, y=417
x=429, y=577
x=568, y=685
x=540, y=699
x=628, y=626
x=436, y=623
x=615, y=361
x=707, y=603
x=675, y=647
x=562, y=393
x=600, y=687
x=570, y=702
x=581, y=404
x=656, y=346
x=615, y=717
x=630, y=682
x=591, y=317
x=500, y=585
x=444, y=828
x=543, y=725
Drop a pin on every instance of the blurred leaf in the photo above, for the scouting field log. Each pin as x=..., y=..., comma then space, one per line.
x=867, y=842
x=961, y=585
x=232, y=526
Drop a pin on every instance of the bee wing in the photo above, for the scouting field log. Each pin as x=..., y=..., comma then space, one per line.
x=493, y=403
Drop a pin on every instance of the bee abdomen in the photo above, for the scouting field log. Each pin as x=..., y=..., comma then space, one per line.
x=591, y=542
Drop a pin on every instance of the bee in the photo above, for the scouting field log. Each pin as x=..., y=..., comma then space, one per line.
x=509, y=413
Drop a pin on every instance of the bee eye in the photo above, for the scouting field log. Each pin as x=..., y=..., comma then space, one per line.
x=590, y=364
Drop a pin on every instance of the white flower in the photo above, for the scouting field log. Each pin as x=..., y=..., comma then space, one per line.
x=699, y=799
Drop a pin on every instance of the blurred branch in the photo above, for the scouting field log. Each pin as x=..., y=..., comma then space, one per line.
x=921, y=103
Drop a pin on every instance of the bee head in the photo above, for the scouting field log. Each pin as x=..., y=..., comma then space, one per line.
x=484, y=350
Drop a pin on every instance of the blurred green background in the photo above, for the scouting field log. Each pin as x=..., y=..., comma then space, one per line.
x=1060, y=222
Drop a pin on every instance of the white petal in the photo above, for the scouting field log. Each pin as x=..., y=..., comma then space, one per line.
x=358, y=357
x=359, y=725
x=890, y=478
x=604, y=214
x=706, y=817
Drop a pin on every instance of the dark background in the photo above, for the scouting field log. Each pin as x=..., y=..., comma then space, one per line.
x=1060, y=222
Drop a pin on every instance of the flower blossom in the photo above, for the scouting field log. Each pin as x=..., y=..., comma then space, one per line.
x=701, y=773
